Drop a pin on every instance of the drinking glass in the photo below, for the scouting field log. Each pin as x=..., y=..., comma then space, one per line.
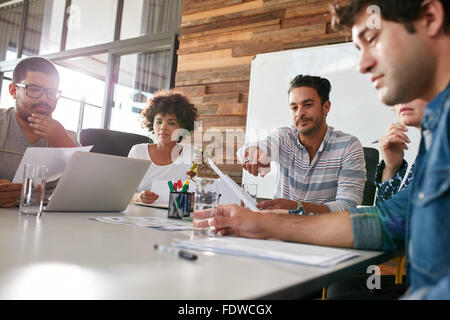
x=33, y=189
x=206, y=200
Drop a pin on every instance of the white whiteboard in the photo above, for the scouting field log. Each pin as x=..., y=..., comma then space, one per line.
x=355, y=106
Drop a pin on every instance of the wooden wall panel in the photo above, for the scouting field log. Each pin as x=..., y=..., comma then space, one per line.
x=246, y=6
x=218, y=40
x=200, y=5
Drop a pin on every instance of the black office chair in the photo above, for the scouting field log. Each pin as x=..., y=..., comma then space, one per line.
x=371, y=156
x=112, y=142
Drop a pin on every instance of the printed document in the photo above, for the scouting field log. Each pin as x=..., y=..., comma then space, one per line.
x=147, y=222
x=270, y=249
x=55, y=159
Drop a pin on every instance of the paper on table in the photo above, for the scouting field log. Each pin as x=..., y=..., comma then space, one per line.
x=156, y=204
x=244, y=196
x=147, y=222
x=161, y=188
x=270, y=249
x=55, y=159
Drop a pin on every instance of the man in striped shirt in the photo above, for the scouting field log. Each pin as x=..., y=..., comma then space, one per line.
x=320, y=169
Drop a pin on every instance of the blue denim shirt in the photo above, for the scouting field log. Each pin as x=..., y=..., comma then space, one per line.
x=418, y=217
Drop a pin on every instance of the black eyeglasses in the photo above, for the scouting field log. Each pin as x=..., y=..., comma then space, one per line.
x=36, y=92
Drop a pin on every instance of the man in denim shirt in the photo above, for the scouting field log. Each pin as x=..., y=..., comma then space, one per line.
x=408, y=61
x=407, y=56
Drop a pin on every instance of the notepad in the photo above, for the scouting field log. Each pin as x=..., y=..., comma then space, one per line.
x=270, y=249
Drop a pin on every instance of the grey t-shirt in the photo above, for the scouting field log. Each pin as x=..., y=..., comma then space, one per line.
x=12, y=138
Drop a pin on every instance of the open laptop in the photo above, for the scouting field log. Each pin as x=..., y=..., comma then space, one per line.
x=97, y=182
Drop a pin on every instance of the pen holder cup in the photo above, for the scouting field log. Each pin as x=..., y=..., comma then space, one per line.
x=181, y=204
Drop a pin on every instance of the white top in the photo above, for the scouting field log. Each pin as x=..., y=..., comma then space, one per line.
x=174, y=171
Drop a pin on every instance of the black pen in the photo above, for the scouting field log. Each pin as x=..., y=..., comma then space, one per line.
x=376, y=141
x=181, y=253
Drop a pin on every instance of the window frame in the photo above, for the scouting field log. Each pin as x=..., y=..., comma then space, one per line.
x=149, y=43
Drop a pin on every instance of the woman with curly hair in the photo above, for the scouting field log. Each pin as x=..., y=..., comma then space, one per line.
x=170, y=117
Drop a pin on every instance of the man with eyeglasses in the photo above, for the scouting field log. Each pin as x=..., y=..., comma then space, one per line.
x=29, y=124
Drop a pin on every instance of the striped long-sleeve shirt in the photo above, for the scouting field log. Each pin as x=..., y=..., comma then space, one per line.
x=335, y=177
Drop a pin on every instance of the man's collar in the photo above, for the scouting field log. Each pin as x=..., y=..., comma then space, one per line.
x=325, y=139
x=435, y=108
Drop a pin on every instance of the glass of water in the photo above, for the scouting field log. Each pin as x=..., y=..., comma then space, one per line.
x=206, y=200
x=33, y=189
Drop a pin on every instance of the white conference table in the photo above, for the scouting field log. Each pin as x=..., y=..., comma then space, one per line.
x=65, y=255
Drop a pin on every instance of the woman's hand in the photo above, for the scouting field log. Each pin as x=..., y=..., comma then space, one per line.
x=392, y=147
x=146, y=196
x=191, y=174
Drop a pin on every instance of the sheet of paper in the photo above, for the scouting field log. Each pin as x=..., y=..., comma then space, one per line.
x=234, y=187
x=152, y=205
x=147, y=222
x=161, y=188
x=270, y=249
x=56, y=160
x=227, y=195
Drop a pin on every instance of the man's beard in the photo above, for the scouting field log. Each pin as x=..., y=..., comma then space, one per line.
x=24, y=114
x=48, y=111
x=312, y=129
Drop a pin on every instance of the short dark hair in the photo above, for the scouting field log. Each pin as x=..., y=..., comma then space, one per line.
x=33, y=64
x=404, y=12
x=322, y=85
x=168, y=102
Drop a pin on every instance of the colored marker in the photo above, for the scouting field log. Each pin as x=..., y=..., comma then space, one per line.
x=186, y=186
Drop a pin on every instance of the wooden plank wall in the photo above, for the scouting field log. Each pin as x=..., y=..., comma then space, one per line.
x=218, y=40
